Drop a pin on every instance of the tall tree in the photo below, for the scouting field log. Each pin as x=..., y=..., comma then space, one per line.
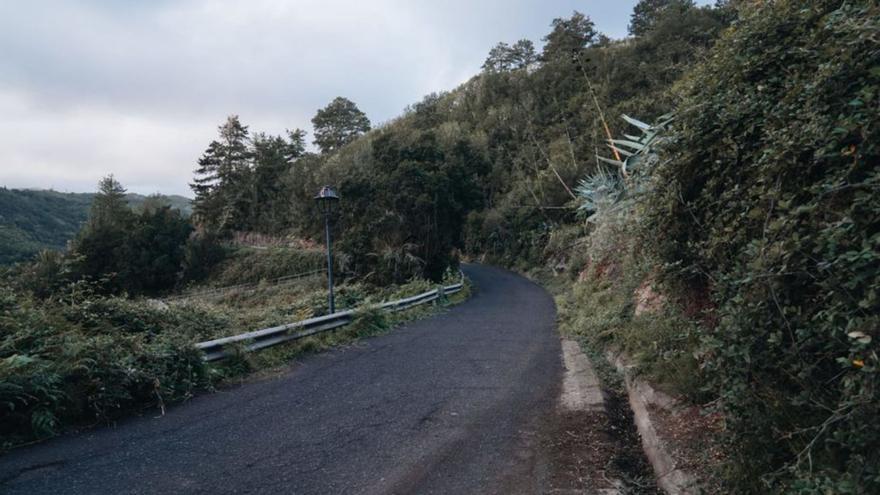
x=404, y=209
x=97, y=246
x=235, y=174
x=569, y=37
x=223, y=194
x=646, y=13
x=503, y=57
x=273, y=157
x=109, y=208
x=234, y=139
x=338, y=124
x=524, y=53
x=499, y=59
x=296, y=144
x=205, y=186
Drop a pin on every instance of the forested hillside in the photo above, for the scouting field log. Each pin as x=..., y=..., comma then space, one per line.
x=31, y=219
x=704, y=194
x=488, y=168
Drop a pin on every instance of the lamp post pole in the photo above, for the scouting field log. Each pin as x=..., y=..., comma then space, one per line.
x=326, y=198
x=332, y=306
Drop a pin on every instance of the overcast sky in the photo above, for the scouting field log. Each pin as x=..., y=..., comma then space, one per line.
x=137, y=88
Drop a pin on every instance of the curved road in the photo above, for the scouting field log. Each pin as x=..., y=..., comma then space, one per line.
x=449, y=404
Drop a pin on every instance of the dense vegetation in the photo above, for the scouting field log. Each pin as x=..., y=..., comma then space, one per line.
x=769, y=196
x=81, y=344
x=736, y=257
x=488, y=168
x=730, y=247
x=82, y=339
x=88, y=359
x=32, y=220
x=119, y=250
x=78, y=358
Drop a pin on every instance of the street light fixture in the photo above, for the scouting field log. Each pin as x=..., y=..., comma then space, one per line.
x=326, y=198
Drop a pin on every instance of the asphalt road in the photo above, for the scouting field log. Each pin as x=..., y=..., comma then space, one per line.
x=449, y=404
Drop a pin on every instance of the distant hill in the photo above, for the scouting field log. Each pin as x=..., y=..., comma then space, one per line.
x=31, y=220
x=177, y=202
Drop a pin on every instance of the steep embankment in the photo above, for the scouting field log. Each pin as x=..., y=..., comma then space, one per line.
x=740, y=266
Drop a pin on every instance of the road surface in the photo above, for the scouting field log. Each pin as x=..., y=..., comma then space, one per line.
x=450, y=404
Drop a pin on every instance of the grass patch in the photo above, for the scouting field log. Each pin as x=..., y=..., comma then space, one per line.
x=599, y=311
x=245, y=265
x=369, y=322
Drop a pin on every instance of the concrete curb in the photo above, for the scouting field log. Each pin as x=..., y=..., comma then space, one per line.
x=670, y=478
x=580, y=386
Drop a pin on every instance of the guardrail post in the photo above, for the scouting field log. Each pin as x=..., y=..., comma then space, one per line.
x=441, y=295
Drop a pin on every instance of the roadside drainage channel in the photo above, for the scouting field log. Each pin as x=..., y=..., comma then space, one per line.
x=642, y=396
x=599, y=429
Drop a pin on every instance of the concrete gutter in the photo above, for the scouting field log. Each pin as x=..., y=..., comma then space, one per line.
x=582, y=392
x=670, y=478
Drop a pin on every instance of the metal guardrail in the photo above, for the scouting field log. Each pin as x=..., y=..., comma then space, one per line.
x=267, y=337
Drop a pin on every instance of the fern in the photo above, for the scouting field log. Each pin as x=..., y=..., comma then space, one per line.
x=44, y=423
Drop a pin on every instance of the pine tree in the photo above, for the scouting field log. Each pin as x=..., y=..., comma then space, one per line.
x=109, y=208
x=98, y=245
x=234, y=174
x=523, y=52
x=205, y=186
x=296, y=144
x=499, y=59
x=234, y=151
x=273, y=157
x=222, y=186
x=504, y=57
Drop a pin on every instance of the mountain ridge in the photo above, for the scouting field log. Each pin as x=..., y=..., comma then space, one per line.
x=36, y=219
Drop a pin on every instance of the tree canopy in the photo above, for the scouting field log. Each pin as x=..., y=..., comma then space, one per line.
x=646, y=13
x=569, y=36
x=504, y=57
x=338, y=124
x=488, y=167
x=127, y=251
x=238, y=184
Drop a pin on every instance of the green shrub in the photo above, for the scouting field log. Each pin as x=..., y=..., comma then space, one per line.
x=368, y=322
x=770, y=197
x=201, y=254
x=81, y=357
x=44, y=275
x=86, y=359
